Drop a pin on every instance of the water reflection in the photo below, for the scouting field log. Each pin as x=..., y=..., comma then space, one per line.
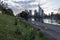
x=49, y=21
x=33, y=19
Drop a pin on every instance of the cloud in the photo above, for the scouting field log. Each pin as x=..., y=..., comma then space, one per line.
x=18, y=5
x=21, y=1
x=24, y=3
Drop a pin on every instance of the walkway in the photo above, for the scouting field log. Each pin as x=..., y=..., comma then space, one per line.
x=52, y=30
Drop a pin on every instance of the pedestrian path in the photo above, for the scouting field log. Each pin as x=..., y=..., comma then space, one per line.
x=52, y=30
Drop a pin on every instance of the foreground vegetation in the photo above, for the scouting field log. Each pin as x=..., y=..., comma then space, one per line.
x=21, y=31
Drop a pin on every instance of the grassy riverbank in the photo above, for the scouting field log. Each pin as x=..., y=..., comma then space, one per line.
x=22, y=31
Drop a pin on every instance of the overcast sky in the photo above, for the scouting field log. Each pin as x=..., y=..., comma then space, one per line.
x=20, y=5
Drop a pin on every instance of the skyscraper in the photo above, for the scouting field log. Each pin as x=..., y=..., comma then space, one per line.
x=35, y=13
x=26, y=11
x=41, y=11
x=58, y=11
x=52, y=15
x=30, y=13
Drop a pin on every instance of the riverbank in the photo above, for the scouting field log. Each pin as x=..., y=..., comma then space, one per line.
x=22, y=31
x=52, y=31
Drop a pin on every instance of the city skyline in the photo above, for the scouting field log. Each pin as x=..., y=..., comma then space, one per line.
x=47, y=5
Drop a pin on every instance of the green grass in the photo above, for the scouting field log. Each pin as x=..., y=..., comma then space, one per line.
x=23, y=30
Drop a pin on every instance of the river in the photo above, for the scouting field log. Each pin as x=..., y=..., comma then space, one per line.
x=48, y=21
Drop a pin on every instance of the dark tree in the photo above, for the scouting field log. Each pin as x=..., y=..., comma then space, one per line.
x=5, y=10
x=58, y=16
x=24, y=15
x=9, y=12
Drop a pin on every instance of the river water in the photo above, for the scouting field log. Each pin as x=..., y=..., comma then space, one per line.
x=48, y=21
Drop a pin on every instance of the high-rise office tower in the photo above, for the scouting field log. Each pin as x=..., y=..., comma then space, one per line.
x=58, y=11
x=41, y=11
x=35, y=13
x=30, y=13
x=26, y=11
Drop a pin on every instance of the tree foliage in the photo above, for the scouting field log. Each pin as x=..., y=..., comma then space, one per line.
x=5, y=10
x=58, y=16
x=24, y=15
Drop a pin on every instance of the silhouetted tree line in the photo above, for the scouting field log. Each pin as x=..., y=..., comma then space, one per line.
x=5, y=10
x=58, y=16
x=24, y=15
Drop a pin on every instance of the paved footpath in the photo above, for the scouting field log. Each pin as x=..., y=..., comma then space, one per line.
x=51, y=31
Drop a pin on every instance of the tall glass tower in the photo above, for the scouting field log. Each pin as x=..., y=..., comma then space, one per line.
x=58, y=11
x=41, y=12
x=30, y=13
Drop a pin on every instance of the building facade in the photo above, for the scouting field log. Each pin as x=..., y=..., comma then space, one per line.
x=30, y=13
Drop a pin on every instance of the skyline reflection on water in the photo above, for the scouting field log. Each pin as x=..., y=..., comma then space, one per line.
x=48, y=21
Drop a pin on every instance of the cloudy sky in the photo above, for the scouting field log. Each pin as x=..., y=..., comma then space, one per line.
x=20, y=5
